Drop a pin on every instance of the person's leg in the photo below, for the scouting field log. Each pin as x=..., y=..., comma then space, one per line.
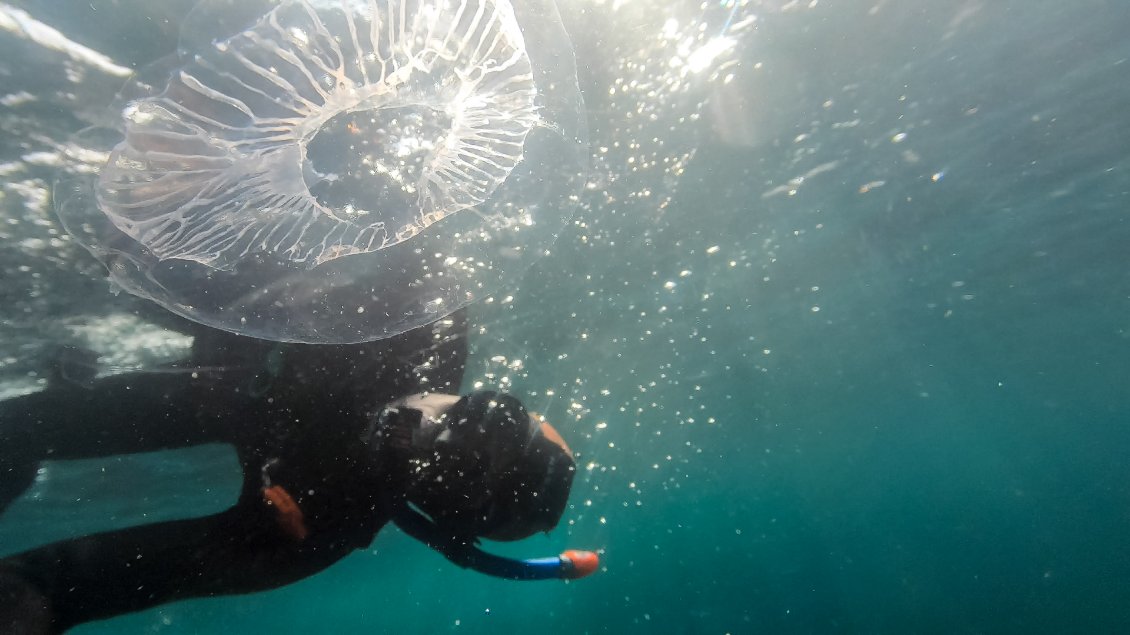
x=16, y=475
x=104, y=575
x=137, y=412
x=23, y=608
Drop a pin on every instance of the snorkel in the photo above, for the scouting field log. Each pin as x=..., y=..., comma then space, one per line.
x=571, y=564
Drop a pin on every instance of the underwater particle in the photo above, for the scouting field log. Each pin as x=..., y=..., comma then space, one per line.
x=307, y=177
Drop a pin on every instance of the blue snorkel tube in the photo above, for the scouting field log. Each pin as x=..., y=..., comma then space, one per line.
x=570, y=565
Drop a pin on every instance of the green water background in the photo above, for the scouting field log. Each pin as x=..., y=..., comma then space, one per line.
x=939, y=448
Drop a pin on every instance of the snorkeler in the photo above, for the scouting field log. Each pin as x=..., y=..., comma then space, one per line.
x=334, y=442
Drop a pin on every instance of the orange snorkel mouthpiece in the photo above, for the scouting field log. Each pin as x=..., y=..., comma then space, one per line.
x=581, y=563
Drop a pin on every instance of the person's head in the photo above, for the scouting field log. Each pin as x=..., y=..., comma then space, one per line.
x=480, y=466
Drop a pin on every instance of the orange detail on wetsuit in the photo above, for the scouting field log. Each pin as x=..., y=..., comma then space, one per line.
x=287, y=512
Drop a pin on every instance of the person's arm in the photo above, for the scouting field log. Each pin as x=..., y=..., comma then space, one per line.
x=241, y=550
x=137, y=412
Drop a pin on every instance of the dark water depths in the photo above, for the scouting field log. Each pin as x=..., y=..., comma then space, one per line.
x=859, y=364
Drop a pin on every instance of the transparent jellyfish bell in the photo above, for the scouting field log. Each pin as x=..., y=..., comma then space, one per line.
x=337, y=171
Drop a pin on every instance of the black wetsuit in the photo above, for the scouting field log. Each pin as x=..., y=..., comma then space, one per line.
x=298, y=417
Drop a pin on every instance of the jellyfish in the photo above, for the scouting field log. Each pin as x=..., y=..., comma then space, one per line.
x=336, y=172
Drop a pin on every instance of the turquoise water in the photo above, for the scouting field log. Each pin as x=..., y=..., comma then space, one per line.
x=851, y=356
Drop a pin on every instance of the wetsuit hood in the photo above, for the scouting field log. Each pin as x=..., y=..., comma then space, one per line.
x=479, y=467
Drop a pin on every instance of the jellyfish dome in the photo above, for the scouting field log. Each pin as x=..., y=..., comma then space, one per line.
x=335, y=172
